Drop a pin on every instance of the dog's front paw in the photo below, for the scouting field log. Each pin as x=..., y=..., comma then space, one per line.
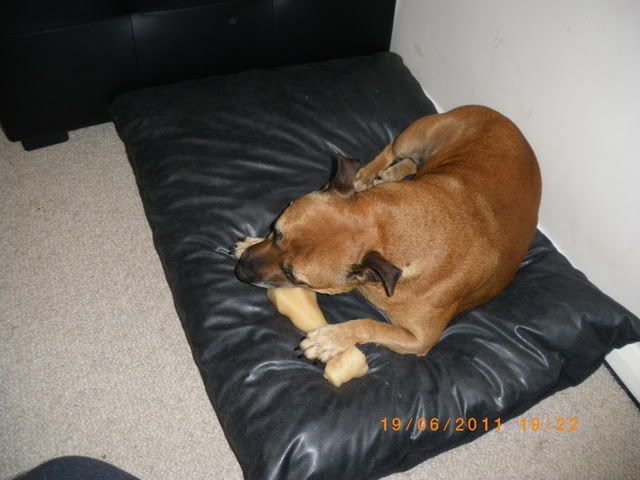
x=324, y=343
x=242, y=245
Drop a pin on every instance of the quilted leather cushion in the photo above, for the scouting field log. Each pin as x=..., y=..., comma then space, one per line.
x=217, y=159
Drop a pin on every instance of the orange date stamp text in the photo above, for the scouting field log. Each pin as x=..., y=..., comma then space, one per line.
x=472, y=424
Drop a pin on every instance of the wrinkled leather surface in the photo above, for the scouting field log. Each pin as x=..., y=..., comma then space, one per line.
x=217, y=159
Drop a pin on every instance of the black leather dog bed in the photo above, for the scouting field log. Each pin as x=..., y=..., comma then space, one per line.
x=218, y=159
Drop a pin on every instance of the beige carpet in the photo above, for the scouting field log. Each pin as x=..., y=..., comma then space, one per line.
x=93, y=360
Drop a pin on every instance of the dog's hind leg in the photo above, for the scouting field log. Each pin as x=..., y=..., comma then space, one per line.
x=419, y=142
x=396, y=172
x=366, y=175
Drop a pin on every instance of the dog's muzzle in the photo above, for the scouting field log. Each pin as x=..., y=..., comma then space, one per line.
x=245, y=272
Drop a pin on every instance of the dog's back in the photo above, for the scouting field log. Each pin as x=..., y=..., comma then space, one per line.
x=471, y=210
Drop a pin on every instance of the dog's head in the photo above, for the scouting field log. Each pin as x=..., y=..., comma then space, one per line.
x=322, y=241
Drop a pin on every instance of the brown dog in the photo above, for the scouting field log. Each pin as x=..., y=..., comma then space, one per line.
x=421, y=250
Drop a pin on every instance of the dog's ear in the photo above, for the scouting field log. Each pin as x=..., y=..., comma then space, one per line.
x=342, y=182
x=376, y=268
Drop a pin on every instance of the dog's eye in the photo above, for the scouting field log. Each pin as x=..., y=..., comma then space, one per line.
x=277, y=235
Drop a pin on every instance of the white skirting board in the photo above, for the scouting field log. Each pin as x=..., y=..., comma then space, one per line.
x=625, y=362
x=435, y=104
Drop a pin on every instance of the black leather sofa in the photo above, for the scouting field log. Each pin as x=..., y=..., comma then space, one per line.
x=65, y=60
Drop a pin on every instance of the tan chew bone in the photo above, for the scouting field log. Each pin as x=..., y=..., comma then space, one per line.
x=343, y=367
x=301, y=306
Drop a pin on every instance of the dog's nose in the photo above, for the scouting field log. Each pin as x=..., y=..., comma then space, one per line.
x=245, y=271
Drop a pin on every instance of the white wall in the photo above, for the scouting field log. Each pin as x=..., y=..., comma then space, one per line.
x=567, y=72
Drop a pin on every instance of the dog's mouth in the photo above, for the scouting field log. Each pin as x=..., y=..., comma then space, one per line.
x=267, y=285
x=330, y=291
x=248, y=272
x=246, y=275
